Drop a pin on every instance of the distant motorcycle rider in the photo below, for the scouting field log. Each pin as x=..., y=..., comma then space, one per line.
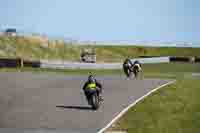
x=129, y=66
x=92, y=83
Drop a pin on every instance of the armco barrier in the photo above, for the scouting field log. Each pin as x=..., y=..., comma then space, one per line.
x=179, y=59
x=197, y=59
x=34, y=64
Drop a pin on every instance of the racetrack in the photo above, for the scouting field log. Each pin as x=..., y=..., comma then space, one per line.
x=43, y=101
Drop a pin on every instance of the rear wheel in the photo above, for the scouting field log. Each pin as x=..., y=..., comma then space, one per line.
x=136, y=74
x=95, y=101
x=130, y=73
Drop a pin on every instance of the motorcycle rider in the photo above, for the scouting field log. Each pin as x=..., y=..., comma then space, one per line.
x=128, y=66
x=91, y=84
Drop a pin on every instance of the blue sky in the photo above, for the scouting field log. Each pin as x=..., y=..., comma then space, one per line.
x=106, y=20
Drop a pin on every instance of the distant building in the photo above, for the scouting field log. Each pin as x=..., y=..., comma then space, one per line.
x=10, y=32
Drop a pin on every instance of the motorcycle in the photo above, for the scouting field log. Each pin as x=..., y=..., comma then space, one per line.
x=94, y=99
x=133, y=70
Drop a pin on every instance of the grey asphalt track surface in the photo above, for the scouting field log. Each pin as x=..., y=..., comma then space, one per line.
x=52, y=101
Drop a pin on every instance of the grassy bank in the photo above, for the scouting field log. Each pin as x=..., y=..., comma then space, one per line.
x=33, y=48
x=117, y=53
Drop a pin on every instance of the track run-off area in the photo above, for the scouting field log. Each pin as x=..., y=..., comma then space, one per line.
x=56, y=102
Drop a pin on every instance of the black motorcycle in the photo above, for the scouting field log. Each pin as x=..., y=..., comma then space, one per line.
x=94, y=99
x=130, y=68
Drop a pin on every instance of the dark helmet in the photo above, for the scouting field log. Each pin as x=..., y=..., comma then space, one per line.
x=91, y=79
x=127, y=60
x=136, y=62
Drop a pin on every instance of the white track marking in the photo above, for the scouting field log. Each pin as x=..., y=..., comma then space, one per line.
x=131, y=105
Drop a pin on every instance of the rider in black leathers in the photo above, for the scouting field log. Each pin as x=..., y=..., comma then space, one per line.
x=128, y=66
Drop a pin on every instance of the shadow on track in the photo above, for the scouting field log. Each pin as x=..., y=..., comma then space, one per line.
x=75, y=107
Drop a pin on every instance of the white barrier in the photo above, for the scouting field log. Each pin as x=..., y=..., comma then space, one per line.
x=78, y=65
x=152, y=60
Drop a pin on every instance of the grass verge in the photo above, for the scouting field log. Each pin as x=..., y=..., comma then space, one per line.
x=64, y=71
x=172, y=109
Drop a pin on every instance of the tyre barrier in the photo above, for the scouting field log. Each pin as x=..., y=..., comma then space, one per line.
x=197, y=59
x=18, y=62
x=183, y=59
x=34, y=64
x=9, y=62
x=179, y=59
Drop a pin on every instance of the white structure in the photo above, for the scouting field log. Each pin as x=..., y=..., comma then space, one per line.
x=10, y=32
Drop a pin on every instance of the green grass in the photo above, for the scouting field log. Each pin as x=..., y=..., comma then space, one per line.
x=64, y=71
x=31, y=48
x=170, y=70
x=172, y=109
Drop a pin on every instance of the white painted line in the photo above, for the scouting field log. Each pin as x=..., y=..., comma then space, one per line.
x=131, y=105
